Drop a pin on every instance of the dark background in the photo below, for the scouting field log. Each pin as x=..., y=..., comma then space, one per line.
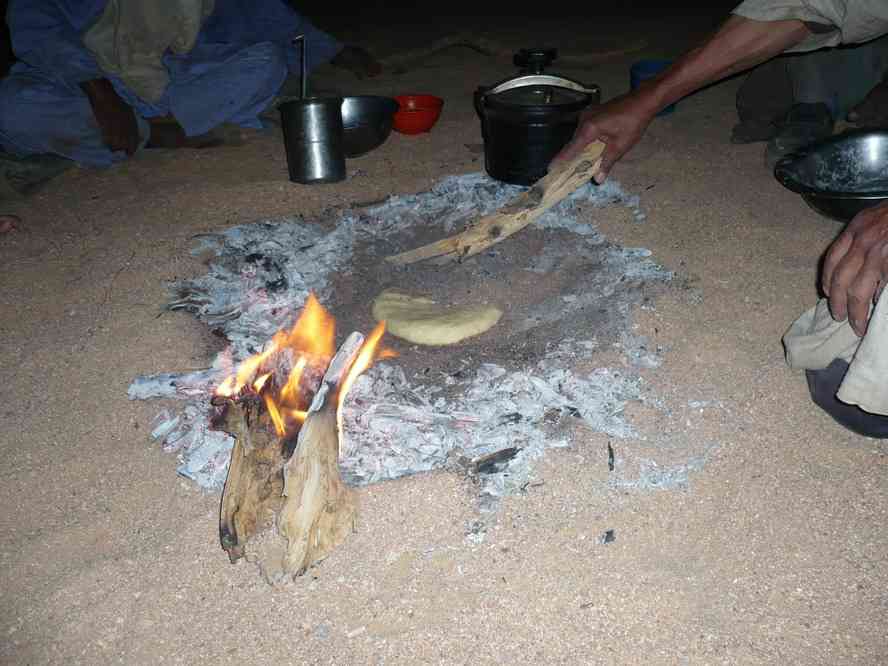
x=329, y=15
x=5, y=47
x=429, y=10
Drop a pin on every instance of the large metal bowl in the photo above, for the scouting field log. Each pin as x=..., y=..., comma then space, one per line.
x=367, y=121
x=840, y=176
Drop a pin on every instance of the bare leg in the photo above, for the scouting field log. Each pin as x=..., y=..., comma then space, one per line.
x=762, y=102
x=839, y=77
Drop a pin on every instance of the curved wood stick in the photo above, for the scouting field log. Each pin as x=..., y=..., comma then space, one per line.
x=563, y=178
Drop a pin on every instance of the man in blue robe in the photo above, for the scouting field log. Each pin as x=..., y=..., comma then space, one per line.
x=58, y=100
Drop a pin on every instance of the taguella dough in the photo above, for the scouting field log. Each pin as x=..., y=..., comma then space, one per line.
x=424, y=322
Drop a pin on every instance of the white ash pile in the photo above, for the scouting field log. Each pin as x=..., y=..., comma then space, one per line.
x=495, y=419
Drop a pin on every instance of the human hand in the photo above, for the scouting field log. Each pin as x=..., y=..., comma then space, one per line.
x=856, y=267
x=116, y=118
x=619, y=123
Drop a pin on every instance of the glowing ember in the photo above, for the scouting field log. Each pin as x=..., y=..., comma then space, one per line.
x=307, y=349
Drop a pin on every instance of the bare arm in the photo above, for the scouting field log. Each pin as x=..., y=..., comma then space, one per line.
x=739, y=44
x=115, y=118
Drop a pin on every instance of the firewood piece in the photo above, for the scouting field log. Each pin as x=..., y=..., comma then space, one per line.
x=489, y=463
x=563, y=178
x=252, y=492
x=319, y=510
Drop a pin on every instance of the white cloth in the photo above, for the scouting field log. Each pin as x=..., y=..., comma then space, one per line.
x=131, y=37
x=815, y=339
x=845, y=21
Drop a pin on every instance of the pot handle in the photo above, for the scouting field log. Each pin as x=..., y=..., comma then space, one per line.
x=594, y=92
x=480, y=93
x=534, y=61
x=543, y=80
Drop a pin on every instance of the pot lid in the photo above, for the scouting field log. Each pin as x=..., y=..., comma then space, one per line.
x=540, y=90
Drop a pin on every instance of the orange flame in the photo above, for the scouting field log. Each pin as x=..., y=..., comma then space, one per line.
x=311, y=345
x=313, y=333
x=290, y=392
x=279, y=424
x=234, y=384
x=366, y=355
x=259, y=383
x=310, y=342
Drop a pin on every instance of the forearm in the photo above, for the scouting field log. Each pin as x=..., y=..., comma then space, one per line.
x=103, y=97
x=115, y=118
x=739, y=44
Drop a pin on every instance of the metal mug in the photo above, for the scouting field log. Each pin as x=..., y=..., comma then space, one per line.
x=313, y=139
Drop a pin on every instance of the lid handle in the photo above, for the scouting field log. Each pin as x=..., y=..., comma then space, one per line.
x=534, y=61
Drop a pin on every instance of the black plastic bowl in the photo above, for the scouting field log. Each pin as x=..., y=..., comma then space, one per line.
x=367, y=122
x=840, y=176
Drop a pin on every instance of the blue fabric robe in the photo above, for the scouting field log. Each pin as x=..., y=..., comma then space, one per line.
x=242, y=56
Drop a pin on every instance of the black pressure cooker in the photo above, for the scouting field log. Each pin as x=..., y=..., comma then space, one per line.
x=527, y=119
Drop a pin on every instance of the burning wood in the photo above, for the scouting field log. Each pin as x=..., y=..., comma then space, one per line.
x=254, y=484
x=320, y=510
x=284, y=474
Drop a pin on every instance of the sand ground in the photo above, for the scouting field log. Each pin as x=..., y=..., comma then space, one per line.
x=777, y=553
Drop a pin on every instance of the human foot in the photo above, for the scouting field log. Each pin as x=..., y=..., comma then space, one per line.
x=167, y=133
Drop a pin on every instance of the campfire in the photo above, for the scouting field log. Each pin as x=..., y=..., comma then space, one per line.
x=283, y=407
x=487, y=413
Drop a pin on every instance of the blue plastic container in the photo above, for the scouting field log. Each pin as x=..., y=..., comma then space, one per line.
x=648, y=69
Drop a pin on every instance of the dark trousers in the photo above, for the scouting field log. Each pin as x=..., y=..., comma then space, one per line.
x=839, y=77
x=824, y=384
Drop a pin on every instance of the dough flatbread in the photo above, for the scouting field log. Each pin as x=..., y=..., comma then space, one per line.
x=424, y=322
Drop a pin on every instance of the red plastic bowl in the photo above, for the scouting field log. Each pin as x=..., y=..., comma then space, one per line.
x=417, y=113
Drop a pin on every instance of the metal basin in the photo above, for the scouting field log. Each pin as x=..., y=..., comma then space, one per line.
x=840, y=176
x=367, y=122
